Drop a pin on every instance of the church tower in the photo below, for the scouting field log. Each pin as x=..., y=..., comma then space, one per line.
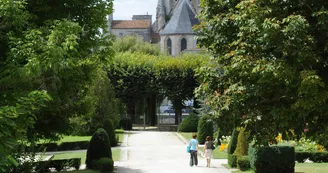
x=160, y=15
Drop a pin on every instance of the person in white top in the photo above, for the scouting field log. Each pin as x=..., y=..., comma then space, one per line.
x=208, y=150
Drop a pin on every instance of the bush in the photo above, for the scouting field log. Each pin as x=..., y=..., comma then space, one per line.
x=205, y=128
x=189, y=124
x=79, y=145
x=43, y=166
x=105, y=164
x=272, y=159
x=316, y=157
x=242, y=144
x=243, y=163
x=126, y=124
x=109, y=128
x=233, y=142
x=232, y=160
x=99, y=147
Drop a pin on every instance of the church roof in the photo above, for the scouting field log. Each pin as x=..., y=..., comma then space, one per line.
x=182, y=20
x=131, y=24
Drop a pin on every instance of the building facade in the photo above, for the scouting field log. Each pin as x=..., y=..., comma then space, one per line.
x=174, y=22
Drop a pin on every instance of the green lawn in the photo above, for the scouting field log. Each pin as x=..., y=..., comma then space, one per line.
x=187, y=136
x=303, y=168
x=67, y=155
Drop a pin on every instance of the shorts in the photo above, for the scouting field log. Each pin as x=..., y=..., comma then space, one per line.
x=208, y=154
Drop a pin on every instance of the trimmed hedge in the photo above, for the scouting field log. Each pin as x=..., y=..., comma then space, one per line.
x=317, y=157
x=243, y=163
x=109, y=128
x=189, y=124
x=126, y=123
x=232, y=160
x=79, y=145
x=205, y=128
x=43, y=166
x=99, y=147
x=272, y=159
x=242, y=144
x=104, y=165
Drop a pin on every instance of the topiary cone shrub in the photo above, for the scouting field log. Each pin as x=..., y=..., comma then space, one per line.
x=105, y=165
x=109, y=128
x=99, y=147
x=242, y=143
x=232, y=159
x=189, y=124
x=205, y=128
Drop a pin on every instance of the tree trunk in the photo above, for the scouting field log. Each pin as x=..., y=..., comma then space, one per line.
x=151, y=101
x=131, y=111
x=177, y=105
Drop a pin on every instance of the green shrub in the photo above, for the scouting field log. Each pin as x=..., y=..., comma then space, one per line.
x=126, y=123
x=233, y=142
x=232, y=160
x=189, y=124
x=243, y=163
x=205, y=128
x=109, y=128
x=99, y=147
x=105, y=165
x=242, y=144
x=272, y=159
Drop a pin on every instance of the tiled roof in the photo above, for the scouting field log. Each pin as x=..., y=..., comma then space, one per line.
x=130, y=24
x=182, y=21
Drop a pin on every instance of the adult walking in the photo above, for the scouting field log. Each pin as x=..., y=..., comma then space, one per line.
x=208, y=150
x=193, y=143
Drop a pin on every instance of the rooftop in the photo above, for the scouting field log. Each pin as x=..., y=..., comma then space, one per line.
x=131, y=24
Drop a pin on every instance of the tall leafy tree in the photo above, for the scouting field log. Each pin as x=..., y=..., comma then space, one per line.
x=49, y=49
x=270, y=69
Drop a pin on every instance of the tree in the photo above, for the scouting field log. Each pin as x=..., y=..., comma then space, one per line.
x=272, y=55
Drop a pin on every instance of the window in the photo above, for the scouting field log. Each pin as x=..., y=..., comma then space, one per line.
x=183, y=44
x=169, y=45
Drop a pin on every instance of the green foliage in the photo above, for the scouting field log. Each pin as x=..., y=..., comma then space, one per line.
x=233, y=142
x=242, y=143
x=105, y=165
x=205, y=128
x=232, y=160
x=272, y=159
x=99, y=147
x=189, y=124
x=243, y=163
x=269, y=68
x=317, y=157
x=109, y=128
x=135, y=43
x=126, y=124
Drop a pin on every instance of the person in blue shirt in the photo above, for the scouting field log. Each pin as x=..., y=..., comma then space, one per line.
x=193, y=150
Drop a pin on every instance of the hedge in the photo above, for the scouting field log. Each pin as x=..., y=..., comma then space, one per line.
x=205, y=128
x=243, y=163
x=189, y=124
x=65, y=146
x=317, y=157
x=272, y=159
x=43, y=166
x=232, y=159
x=126, y=124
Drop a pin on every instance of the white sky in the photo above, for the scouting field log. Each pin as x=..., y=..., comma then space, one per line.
x=125, y=9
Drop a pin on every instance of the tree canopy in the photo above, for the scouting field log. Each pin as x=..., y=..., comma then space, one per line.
x=270, y=65
x=51, y=53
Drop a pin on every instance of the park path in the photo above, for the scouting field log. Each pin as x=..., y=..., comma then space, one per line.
x=160, y=152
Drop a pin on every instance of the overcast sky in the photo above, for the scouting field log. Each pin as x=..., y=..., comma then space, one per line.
x=124, y=9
